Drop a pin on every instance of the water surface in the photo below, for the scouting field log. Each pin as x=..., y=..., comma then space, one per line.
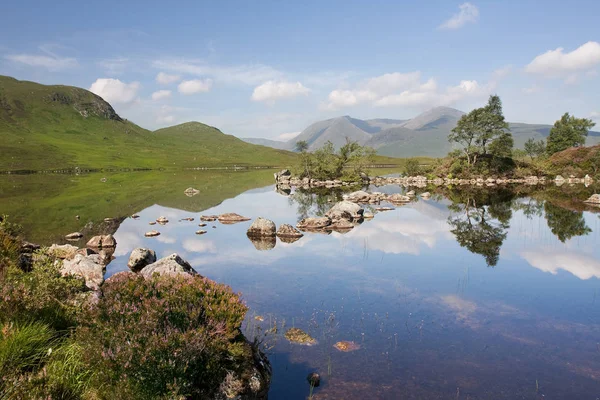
x=473, y=294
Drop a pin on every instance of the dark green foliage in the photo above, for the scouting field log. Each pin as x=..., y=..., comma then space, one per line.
x=502, y=145
x=567, y=132
x=565, y=224
x=535, y=148
x=164, y=336
x=325, y=163
x=412, y=167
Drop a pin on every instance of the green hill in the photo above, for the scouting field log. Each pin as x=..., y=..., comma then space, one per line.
x=59, y=127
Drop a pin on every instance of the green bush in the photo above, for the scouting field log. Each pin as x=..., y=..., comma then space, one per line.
x=163, y=337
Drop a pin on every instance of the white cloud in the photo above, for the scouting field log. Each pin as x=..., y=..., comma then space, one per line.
x=288, y=136
x=556, y=62
x=115, y=91
x=273, y=90
x=161, y=94
x=199, y=246
x=405, y=89
x=581, y=265
x=468, y=13
x=166, y=79
x=246, y=74
x=50, y=62
x=595, y=115
x=572, y=79
x=195, y=86
x=165, y=115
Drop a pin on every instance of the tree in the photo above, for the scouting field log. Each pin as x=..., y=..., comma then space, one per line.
x=535, y=148
x=483, y=129
x=492, y=126
x=326, y=163
x=564, y=223
x=305, y=159
x=568, y=132
x=412, y=167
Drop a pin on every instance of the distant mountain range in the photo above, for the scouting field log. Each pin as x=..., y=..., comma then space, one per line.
x=424, y=135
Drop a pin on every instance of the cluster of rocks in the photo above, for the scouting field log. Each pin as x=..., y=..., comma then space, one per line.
x=363, y=197
x=285, y=180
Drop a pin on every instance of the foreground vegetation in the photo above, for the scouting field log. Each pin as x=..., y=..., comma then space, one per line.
x=161, y=338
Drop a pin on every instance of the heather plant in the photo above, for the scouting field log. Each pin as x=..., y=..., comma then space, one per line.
x=163, y=337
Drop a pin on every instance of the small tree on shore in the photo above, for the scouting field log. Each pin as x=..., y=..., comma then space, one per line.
x=305, y=159
x=568, y=132
x=535, y=148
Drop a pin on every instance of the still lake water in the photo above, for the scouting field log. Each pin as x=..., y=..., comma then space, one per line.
x=488, y=295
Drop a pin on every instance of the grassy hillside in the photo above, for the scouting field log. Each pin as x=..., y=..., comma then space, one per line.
x=576, y=160
x=53, y=127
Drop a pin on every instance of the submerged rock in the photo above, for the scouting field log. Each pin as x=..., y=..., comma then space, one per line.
x=90, y=268
x=102, y=241
x=297, y=335
x=74, y=236
x=346, y=346
x=288, y=231
x=314, y=379
x=172, y=265
x=384, y=208
x=140, y=258
x=262, y=227
x=152, y=233
x=231, y=218
x=313, y=223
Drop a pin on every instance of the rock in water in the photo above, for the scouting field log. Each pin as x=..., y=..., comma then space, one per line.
x=313, y=223
x=288, y=231
x=162, y=220
x=140, y=258
x=200, y=232
x=102, y=241
x=90, y=268
x=152, y=233
x=346, y=207
x=191, y=192
x=398, y=198
x=314, y=379
x=172, y=265
x=594, y=199
x=297, y=335
x=262, y=227
x=74, y=236
x=208, y=218
x=230, y=218
x=346, y=346
x=425, y=195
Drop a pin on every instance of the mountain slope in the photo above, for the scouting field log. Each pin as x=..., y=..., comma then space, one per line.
x=424, y=135
x=58, y=127
x=335, y=130
x=276, y=144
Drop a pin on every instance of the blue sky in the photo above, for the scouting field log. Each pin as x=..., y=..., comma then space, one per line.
x=267, y=68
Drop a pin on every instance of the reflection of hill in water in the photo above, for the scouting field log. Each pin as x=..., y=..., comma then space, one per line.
x=47, y=205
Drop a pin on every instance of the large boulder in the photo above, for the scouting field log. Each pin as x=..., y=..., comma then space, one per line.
x=62, y=251
x=172, y=265
x=594, y=199
x=313, y=223
x=343, y=209
x=358, y=197
x=262, y=227
x=231, y=218
x=90, y=268
x=140, y=258
x=288, y=231
x=102, y=241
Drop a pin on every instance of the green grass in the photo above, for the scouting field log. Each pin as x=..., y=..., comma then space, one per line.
x=43, y=127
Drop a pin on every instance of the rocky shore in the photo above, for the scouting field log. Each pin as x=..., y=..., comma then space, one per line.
x=284, y=179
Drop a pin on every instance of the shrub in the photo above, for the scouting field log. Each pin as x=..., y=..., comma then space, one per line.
x=164, y=336
x=41, y=295
x=412, y=167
